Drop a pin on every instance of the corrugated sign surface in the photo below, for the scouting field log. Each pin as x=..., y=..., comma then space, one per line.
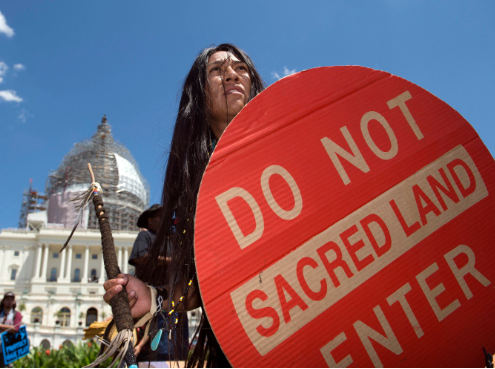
x=347, y=218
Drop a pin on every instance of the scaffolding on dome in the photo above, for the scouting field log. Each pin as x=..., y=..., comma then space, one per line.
x=125, y=190
x=32, y=201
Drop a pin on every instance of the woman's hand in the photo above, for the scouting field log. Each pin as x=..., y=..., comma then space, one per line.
x=139, y=293
x=137, y=350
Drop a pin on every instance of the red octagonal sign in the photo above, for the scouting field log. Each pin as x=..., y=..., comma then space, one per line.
x=347, y=218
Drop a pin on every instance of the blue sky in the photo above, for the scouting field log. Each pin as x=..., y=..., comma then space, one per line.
x=64, y=64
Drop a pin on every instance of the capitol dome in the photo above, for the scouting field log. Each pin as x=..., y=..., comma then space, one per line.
x=125, y=192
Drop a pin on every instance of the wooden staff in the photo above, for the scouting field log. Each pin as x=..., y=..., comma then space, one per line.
x=120, y=303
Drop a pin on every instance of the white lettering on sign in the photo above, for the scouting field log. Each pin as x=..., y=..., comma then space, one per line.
x=394, y=148
x=431, y=294
x=400, y=296
x=400, y=101
x=329, y=266
x=265, y=186
x=356, y=158
x=466, y=269
x=224, y=198
x=390, y=341
x=326, y=351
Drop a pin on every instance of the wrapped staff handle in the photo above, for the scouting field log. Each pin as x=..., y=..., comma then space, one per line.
x=120, y=302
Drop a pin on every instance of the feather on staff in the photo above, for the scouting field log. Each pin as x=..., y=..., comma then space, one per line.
x=120, y=302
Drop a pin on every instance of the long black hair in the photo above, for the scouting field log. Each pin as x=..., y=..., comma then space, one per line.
x=191, y=148
x=14, y=305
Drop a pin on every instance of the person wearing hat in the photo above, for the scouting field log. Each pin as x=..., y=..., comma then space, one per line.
x=149, y=221
x=10, y=319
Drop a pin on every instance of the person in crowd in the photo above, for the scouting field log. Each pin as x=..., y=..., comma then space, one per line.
x=222, y=80
x=149, y=221
x=10, y=319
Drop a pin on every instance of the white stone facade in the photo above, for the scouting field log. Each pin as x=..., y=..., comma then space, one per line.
x=32, y=266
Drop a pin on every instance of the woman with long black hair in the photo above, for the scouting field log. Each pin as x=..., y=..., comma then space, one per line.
x=221, y=82
x=10, y=319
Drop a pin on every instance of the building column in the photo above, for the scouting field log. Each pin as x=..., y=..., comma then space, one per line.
x=2, y=257
x=69, y=264
x=102, y=270
x=126, y=258
x=4, y=273
x=25, y=255
x=86, y=263
x=78, y=312
x=39, y=255
x=119, y=260
x=62, y=267
x=46, y=252
x=5, y=264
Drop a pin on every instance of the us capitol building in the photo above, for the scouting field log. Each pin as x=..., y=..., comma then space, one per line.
x=60, y=294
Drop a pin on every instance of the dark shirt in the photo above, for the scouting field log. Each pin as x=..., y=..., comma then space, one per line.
x=142, y=245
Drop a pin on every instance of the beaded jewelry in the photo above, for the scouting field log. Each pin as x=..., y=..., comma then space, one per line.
x=170, y=319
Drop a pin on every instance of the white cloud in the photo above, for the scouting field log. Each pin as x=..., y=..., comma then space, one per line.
x=3, y=70
x=19, y=66
x=286, y=72
x=9, y=96
x=4, y=27
x=24, y=115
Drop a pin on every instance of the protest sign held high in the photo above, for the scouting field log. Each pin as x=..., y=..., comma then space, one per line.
x=347, y=217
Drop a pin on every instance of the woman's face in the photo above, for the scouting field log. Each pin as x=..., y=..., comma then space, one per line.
x=8, y=302
x=228, y=87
